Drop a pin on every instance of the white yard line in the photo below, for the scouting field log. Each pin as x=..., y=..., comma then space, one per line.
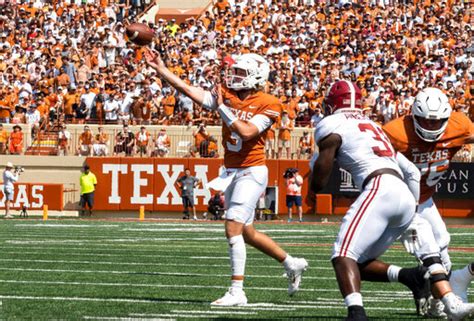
x=157, y=273
x=46, y=225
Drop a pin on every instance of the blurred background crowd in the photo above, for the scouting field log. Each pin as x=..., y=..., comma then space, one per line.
x=69, y=61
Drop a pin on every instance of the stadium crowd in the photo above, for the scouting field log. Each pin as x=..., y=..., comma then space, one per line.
x=71, y=63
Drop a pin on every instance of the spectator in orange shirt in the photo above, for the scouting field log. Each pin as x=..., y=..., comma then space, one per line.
x=168, y=102
x=85, y=142
x=16, y=141
x=305, y=146
x=3, y=140
x=285, y=127
x=270, y=142
x=100, y=143
x=200, y=138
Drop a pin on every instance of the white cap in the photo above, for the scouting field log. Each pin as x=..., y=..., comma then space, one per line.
x=9, y=165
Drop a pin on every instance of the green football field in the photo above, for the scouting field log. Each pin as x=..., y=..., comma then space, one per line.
x=166, y=270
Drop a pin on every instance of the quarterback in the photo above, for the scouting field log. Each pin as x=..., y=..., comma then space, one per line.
x=247, y=113
x=430, y=137
x=384, y=210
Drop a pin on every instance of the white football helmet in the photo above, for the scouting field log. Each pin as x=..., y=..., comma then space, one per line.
x=256, y=70
x=431, y=104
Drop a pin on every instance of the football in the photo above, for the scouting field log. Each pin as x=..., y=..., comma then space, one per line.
x=140, y=34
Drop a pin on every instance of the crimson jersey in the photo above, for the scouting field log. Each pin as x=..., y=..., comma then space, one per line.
x=432, y=159
x=239, y=153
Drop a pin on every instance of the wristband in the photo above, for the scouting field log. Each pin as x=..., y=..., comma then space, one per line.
x=227, y=115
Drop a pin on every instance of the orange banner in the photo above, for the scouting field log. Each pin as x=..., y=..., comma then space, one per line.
x=127, y=183
x=35, y=195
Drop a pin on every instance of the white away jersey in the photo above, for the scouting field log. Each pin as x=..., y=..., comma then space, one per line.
x=364, y=148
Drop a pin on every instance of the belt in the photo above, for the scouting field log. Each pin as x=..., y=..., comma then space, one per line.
x=379, y=172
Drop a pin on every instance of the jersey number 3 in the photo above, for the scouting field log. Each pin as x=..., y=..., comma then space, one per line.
x=379, y=135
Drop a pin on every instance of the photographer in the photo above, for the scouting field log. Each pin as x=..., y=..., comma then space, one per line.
x=10, y=176
x=294, y=182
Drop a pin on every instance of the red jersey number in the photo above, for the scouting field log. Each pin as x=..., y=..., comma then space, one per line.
x=379, y=135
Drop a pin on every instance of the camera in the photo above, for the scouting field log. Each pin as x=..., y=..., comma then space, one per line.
x=19, y=169
x=290, y=172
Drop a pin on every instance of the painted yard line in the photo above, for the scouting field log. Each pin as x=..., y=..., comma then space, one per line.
x=208, y=312
x=152, y=301
x=392, y=254
x=156, y=273
x=226, y=258
x=88, y=317
x=220, y=230
x=379, y=295
x=67, y=225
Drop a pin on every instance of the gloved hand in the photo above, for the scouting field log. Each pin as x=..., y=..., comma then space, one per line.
x=411, y=237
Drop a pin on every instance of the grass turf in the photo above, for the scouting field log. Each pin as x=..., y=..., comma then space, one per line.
x=104, y=270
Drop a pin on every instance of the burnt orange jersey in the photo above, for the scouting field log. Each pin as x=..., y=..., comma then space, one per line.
x=239, y=153
x=432, y=159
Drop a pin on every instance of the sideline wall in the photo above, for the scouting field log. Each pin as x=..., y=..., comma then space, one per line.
x=157, y=192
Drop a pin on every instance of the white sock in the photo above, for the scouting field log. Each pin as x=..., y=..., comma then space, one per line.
x=237, y=284
x=354, y=298
x=237, y=255
x=463, y=274
x=449, y=300
x=392, y=273
x=287, y=262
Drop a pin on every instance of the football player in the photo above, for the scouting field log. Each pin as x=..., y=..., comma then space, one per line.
x=247, y=113
x=430, y=137
x=384, y=209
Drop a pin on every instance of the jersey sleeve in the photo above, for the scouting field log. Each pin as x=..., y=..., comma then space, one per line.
x=394, y=131
x=271, y=108
x=464, y=127
x=326, y=127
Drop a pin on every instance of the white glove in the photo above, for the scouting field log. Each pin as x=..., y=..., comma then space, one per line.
x=410, y=238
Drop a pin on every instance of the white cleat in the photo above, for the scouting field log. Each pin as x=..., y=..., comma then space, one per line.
x=294, y=273
x=231, y=298
x=459, y=285
x=459, y=311
x=435, y=309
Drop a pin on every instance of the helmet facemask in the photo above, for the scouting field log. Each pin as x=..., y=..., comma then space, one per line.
x=428, y=134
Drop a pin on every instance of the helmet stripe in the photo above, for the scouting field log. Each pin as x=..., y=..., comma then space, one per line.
x=353, y=93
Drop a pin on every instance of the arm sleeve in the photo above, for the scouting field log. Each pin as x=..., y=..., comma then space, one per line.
x=209, y=101
x=261, y=121
x=411, y=175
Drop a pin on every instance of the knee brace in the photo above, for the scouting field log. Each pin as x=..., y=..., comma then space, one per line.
x=436, y=271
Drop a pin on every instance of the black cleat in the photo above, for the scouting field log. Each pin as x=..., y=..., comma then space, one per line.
x=414, y=279
x=356, y=313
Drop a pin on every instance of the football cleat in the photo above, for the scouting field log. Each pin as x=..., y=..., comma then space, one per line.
x=294, y=273
x=233, y=297
x=356, y=313
x=420, y=287
x=459, y=285
x=459, y=310
x=435, y=309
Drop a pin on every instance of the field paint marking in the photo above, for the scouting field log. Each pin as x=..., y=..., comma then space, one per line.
x=157, y=273
x=66, y=225
x=251, y=305
x=208, y=312
x=220, y=230
x=88, y=317
x=250, y=258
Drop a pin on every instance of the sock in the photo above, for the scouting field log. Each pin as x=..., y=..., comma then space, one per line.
x=449, y=300
x=392, y=273
x=237, y=284
x=287, y=261
x=354, y=298
x=237, y=254
x=465, y=273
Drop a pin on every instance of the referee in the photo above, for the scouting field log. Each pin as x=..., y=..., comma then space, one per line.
x=88, y=182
